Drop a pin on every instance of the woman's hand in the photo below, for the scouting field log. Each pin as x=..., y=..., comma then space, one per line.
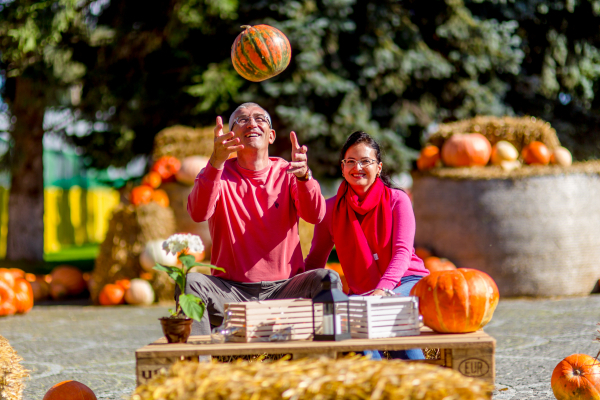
x=378, y=292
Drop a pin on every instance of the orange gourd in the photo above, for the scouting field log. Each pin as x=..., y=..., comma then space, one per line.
x=70, y=277
x=152, y=179
x=536, y=153
x=111, y=295
x=434, y=264
x=161, y=197
x=141, y=195
x=260, y=52
x=7, y=277
x=23, y=295
x=428, y=158
x=576, y=377
x=167, y=167
x=466, y=150
x=7, y=300
x=458, y=301
x=70, y=390
x=423, y=253
x=337, y=267
x=124, y=283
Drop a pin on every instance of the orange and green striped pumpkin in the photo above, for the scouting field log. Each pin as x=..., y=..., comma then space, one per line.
x=457, y=301
x=260, y=52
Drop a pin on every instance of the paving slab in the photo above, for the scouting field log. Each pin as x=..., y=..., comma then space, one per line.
x=96, y=345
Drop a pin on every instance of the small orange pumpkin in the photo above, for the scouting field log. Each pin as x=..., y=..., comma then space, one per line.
x=17, y=272
x=458, y=301
x=23, y=295
x=7, y=277
x=576, y=377
x=141, y=195
x=7, y=300
x=40, y=288
x=428, y=158
x=70, y=277
x=423, y=253
x=466, y=150
x=536, y=153
x=70, y=390
x=124, y=283
x=152, y=179
x=167, y=167
x=111, y=295
x=161, y=197
x=434, y=264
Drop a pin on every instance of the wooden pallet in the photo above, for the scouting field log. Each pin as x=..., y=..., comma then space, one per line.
x=472, y=354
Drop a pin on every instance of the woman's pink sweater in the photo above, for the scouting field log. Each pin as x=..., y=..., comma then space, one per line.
x=253, y=218
x=404, y=260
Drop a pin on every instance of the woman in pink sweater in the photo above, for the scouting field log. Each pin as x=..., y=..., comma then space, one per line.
x=372, y=226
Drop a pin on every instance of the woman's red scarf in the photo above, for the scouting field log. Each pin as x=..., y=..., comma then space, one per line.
x=364, y=249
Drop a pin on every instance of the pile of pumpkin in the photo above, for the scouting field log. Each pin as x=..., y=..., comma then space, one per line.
x=474, y=149
x=166, y=169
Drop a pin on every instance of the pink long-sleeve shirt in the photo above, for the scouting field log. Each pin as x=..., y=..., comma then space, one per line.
x=253, y=218
x=404, y=260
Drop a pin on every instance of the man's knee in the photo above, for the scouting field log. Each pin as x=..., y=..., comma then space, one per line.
x=334, y=277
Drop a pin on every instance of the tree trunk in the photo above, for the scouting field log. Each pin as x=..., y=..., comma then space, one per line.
x=25, y=239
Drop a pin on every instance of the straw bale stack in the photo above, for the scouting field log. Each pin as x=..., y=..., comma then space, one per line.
x=130, y=228
x=349, y=378
x=12, y=372
x=183, y=141
x=534, y=234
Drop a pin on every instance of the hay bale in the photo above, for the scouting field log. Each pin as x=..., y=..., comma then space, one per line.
x=519, y=131
x=534, y=234
x=129, y=229
x=183, y=141
x=348, y=378
x=12, y=372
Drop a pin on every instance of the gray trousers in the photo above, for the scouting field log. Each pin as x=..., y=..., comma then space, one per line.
x=215, y=292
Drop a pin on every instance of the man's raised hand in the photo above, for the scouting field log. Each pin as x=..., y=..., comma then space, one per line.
x=224, y=145
x=299, y=164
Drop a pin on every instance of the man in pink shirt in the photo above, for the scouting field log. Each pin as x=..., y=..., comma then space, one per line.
x=252, y=204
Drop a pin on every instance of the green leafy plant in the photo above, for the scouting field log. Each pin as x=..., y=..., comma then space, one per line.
x=181, y=245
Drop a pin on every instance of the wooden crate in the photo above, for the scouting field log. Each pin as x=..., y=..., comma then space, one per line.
x=472, y=354
x=261, y=319
x=373, y=317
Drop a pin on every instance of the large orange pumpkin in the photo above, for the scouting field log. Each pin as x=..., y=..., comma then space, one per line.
x=70, y=390
x=141, y=195
x=7, y=300
x=576, y=377
x=167, y=167
x=70, y=277
x=536, y=153
x=434, y=264
x=458, y=301
x=466, y=150
x=111, y=295
x=260, y=52
x=23, y=295
x=428, y=158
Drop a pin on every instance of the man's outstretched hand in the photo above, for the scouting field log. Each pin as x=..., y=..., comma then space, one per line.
x=224, y=145
x=299, y=164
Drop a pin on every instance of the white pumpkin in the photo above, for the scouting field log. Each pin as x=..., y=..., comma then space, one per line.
x=139, y=292
x=153, y=253
x=503, y=151
x=190, y=167
x=561, y=156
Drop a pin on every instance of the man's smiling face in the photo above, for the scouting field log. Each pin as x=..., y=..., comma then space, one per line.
x=252, y=134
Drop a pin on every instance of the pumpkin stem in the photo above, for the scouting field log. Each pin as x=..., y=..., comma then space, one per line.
x=246, y=26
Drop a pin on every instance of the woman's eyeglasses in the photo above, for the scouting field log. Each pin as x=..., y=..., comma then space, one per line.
x=260, y=119
x=365, y=162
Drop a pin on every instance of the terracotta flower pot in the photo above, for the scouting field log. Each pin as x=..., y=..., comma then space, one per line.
x=176, y=330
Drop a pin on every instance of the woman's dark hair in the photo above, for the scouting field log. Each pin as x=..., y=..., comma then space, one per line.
x=363, y=137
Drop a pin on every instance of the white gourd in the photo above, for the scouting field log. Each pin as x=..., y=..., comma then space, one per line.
x=190, y=167
x=561, y=156
x=140, y=292
x=504, y=151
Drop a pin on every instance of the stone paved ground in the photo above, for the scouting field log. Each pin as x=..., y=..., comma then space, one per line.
x=96, y=345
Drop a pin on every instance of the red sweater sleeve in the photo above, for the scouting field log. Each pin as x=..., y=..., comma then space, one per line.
x=205, y=194
x=322, y=242
x=308, y=200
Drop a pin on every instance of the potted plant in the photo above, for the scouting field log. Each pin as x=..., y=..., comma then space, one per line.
x=178, y=326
